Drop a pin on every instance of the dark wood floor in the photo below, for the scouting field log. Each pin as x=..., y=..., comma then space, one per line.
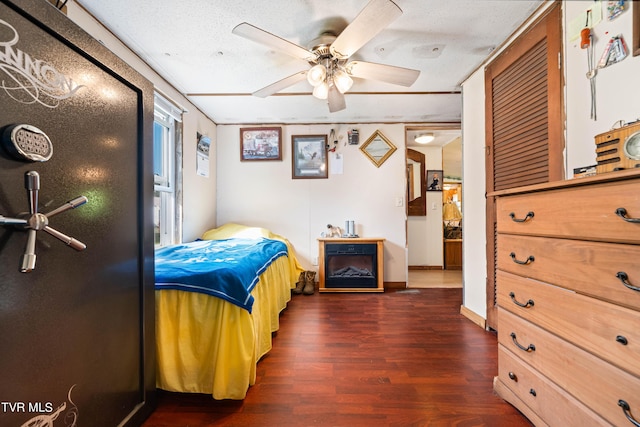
x=402, y=358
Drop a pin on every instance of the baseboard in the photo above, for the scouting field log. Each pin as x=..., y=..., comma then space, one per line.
x=395, y=285
x=474, y=317
x=426, y=267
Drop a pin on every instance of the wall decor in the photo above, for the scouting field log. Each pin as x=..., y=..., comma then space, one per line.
x=202, y=155
x=353, y=136
x=434, y=180
x=261, y=143
x=378, y=148
x=309, y=156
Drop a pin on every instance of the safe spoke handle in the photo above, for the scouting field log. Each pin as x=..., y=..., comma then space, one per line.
x=29, y=257
x=35, y=221
x=12, y=221
x=32, y=184
x=71, y=204
x=69, y=241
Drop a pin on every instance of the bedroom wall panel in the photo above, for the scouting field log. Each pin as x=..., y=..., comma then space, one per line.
x=264, y=194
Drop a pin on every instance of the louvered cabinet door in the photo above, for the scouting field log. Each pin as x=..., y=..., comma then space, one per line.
x=523, y=121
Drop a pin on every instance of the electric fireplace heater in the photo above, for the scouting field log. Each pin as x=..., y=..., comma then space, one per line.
x=351, y=265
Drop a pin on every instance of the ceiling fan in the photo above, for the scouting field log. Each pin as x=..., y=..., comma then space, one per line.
x=331, y=71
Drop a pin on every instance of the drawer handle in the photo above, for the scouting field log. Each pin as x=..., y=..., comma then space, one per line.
x=533, y=393
x=622, y=213
x=518, y=303
x=529, y=348
x=622, y=340
x=627, y=412
x=528, y=261
x=624, y=278
x=525, y=219
x=513, y=376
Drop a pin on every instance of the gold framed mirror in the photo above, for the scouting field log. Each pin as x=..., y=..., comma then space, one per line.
x=378, y=148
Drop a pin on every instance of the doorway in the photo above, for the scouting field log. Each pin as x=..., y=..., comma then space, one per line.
x=426, y=232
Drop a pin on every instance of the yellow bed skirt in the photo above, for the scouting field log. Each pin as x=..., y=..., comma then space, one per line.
x=208, y=345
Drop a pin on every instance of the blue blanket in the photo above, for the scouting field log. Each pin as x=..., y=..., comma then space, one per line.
x=227, y=269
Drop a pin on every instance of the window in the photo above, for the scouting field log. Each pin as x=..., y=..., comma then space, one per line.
x=165, y=140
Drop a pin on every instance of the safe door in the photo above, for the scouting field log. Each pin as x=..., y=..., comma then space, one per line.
x=76, y=234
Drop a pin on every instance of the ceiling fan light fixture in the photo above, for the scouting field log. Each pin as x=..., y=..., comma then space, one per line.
x=316, y=75
x=424, y=138
x=342, y=80
x=321, y=91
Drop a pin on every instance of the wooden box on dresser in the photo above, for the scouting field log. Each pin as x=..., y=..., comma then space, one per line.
x=568, y=295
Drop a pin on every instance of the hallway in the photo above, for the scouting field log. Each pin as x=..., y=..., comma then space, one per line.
x=424, y=279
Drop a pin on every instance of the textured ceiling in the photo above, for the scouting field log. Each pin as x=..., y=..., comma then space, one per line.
x=191, y=45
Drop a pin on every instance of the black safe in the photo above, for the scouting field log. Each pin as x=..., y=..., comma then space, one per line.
x=76, y=307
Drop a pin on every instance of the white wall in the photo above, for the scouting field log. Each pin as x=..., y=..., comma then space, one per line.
x=618, y=89
x=473, y=208
x=424, y=233
x=199, y=201
x=617, y=86
x=263, y=193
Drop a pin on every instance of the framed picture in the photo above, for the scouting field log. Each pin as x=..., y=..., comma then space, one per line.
x=260, y=144
x=378, y=148
x=309, y=156
x=434, y=180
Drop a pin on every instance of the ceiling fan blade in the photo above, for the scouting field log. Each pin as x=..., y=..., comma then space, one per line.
x=263, y=37
x=335, y=99
x=375, y=17
x=281, y=84
x=383, y=73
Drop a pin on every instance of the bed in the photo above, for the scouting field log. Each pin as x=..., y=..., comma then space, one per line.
x=210, y=338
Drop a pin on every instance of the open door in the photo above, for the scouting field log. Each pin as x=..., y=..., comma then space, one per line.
x=76, y=283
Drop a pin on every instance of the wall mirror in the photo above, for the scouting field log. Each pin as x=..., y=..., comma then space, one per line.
x=416, y=197
x=378, y=148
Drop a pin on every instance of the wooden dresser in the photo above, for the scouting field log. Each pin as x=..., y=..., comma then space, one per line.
x=568, y=295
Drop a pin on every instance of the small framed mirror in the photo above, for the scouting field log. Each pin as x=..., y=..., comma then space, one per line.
x=378, y=148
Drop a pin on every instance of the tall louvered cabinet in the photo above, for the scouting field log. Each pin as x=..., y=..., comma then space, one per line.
x=568, y=294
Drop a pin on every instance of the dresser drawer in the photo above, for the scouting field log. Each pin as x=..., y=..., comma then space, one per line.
x=551, y=403
x=596, y=383
x=589, y=268
x=607, y=330
x=586, y=212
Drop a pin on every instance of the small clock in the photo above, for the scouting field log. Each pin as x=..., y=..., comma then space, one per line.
x=631, y=146
x=26, y=142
